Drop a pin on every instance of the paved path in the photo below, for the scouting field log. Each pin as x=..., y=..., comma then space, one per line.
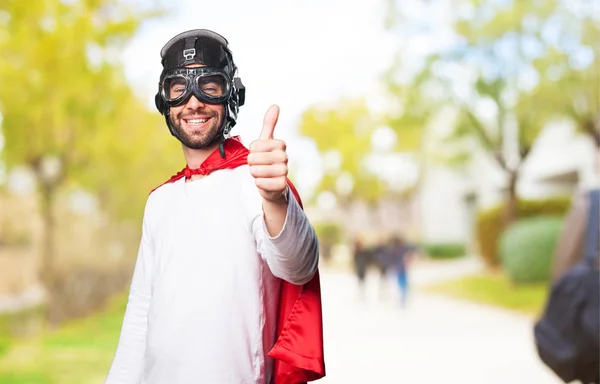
x=434, y=340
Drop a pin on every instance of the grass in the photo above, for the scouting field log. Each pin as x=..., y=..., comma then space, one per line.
x=496, y=289
x=78, y=353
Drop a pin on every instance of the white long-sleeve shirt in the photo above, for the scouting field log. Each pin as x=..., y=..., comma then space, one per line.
x=204, y=297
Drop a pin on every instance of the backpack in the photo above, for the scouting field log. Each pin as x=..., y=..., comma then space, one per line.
x=567, y=334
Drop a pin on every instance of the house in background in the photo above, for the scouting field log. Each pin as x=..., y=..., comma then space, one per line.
x=561, y=161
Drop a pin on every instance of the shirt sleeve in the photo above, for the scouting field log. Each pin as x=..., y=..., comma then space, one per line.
x=128, y=362
x=292, y=255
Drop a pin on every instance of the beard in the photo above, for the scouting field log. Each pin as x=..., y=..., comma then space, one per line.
x=200, y=139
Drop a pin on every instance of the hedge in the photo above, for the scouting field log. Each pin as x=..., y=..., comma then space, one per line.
x=490, y=223
x=527, y=248
x=444, y=250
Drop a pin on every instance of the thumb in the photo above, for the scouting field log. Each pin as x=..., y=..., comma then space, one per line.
x=269, y=123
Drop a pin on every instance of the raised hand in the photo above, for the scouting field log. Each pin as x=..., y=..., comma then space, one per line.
x=268, y=160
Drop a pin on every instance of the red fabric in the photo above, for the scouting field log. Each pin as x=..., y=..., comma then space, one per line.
x=298, y=350
x=235, y=155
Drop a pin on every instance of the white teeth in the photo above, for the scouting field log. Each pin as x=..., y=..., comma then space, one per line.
x=196, y=121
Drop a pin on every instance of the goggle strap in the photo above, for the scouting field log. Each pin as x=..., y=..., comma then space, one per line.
x=241, y=90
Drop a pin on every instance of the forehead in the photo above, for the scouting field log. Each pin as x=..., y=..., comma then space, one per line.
x=195, y=66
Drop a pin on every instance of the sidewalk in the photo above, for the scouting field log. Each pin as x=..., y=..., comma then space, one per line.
x=434, y=340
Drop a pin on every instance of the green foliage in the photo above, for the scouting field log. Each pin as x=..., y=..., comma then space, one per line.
x=497, y=290
x=413, y=106
x=512, y=41
x=444, y=250
x=344, y=130
x=527, y=248
x=64, y=96
x=4, y=345
x=490, y=223
x=570, y=86
x=54, y=101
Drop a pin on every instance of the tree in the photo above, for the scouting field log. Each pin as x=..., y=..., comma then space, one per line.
x=342, y=133
x=497, y=72
x=61, y=93
x=570, y=69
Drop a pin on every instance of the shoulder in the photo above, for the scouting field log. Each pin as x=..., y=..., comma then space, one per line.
x=165, y=188
x=160, y=195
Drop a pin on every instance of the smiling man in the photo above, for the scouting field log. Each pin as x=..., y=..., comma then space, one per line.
x=226, y=285
x=196, y=127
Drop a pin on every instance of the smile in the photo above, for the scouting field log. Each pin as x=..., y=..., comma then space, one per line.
x=196, y=121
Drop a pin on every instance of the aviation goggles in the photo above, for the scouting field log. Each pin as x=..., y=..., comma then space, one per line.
x=209, y=85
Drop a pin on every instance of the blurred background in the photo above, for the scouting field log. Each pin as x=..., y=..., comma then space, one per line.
x=465, y=129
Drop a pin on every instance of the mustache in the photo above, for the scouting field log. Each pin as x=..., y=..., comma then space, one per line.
x=197, y=115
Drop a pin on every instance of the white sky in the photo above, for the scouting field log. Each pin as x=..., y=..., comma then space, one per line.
x=291, y=53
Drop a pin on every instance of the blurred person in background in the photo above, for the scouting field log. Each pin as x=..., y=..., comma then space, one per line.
x=385, y=260
x=361, y=263
x=227, y=253
x=402, y=254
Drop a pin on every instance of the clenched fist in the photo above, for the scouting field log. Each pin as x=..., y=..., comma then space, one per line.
x=268, y=160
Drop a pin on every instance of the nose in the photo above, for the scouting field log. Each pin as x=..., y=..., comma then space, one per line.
x=193, y=103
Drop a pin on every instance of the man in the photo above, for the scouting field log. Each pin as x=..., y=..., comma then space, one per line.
x=226, y=286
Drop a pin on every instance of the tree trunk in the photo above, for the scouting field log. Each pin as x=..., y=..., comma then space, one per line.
x=48, y=183
x=47, y=266
x=512, y=203
x=593, y=131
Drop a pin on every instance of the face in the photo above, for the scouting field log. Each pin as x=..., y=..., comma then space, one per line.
x=196, y=122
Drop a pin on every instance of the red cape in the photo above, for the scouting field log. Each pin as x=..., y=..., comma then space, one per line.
x=298, y=350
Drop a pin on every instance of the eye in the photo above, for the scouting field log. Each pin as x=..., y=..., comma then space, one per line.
x=176, y=87
x=211, y=89
x=212, y=85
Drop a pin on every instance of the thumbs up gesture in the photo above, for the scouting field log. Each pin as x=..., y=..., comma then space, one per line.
x=268, y=160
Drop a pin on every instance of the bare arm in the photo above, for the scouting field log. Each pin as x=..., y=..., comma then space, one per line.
x=275, y=213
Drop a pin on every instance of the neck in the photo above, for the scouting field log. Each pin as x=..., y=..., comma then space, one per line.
x=195, y=157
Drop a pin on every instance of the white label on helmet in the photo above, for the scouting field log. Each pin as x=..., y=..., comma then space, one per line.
x=189, y=54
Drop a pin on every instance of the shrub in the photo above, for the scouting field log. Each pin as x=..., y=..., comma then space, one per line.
x=444, y=250
x=490, y=223
x=527, y=248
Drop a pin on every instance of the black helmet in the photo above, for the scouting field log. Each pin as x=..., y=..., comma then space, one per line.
x=200, y=46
